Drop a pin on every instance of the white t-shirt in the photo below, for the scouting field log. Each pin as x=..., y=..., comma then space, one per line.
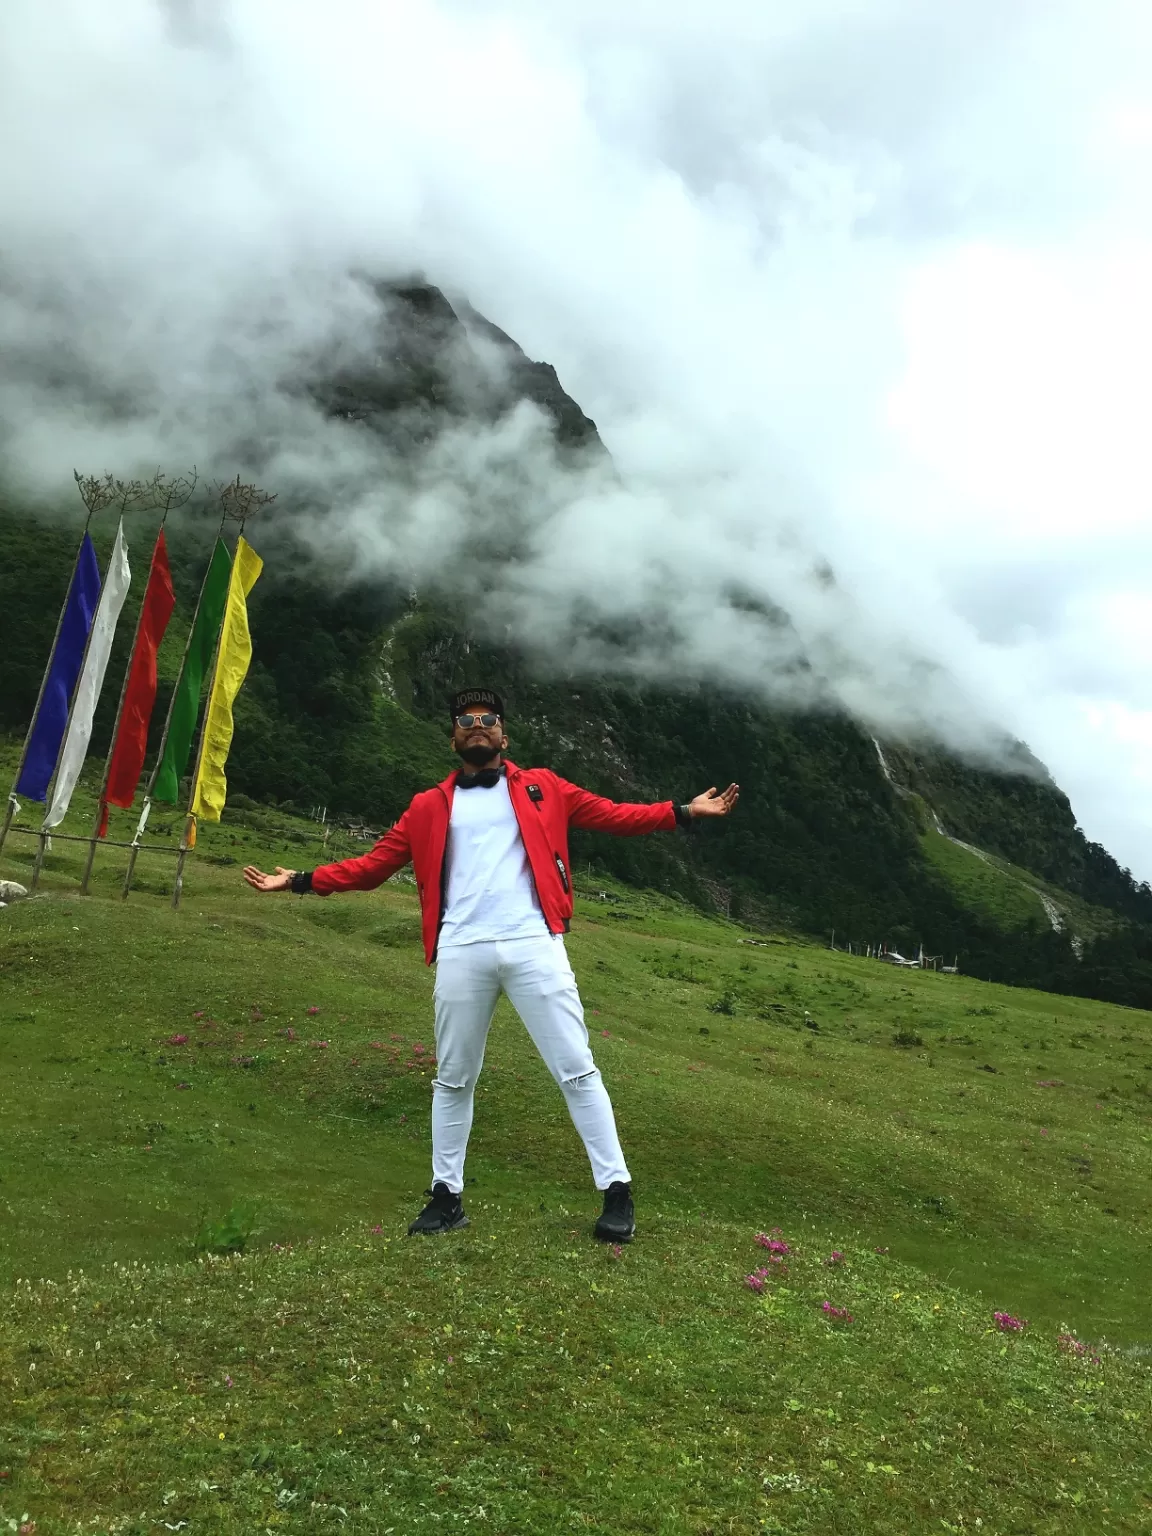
x=490, y=891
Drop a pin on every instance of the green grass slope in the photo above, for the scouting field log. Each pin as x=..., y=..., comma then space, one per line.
x=1009, y=896
x=983, y=886
x=161, y=1069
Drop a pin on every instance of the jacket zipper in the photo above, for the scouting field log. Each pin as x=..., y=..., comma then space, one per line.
x=440, y=881
x=559, y=862
x=560, y=870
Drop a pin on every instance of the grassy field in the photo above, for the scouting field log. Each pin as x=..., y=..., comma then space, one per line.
x=261, y=1063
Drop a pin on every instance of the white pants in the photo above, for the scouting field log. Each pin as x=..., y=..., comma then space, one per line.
x=537, y=978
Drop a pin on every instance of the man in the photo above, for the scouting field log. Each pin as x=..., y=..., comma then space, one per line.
x=493, y=874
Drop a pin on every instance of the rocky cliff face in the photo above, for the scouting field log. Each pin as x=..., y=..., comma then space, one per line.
x=435, y=363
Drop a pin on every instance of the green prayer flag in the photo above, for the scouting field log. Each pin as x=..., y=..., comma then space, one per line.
x=186, y=706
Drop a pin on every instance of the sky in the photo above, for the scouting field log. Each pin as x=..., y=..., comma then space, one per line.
x=855, y=291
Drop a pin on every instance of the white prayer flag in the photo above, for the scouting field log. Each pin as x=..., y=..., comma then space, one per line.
x=75, y=749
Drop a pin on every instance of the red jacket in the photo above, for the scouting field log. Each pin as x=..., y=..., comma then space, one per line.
x=545, y=805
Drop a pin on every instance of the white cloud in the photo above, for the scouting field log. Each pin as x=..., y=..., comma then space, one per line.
x=856, y=281
x=1025, y=403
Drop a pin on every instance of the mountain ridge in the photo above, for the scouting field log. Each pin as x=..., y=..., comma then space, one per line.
x=347, y=709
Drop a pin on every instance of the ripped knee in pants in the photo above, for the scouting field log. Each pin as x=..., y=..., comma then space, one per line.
x=581, y=1079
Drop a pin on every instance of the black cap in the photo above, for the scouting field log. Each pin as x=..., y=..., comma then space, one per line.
x=477, y=698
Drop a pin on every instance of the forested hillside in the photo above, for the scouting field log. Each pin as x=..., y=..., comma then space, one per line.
x=345, y=707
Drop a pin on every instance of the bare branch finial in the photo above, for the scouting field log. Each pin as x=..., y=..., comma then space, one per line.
x=167, y=495
x=96, y=491
x=240, y=501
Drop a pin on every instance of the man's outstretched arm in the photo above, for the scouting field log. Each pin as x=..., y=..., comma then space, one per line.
x=595, y=813
x=362, y=873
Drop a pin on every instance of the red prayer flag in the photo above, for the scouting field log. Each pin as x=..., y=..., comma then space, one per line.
x=127, y=762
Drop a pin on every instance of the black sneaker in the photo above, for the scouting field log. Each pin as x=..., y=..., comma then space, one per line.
x=443, y=1213
x=617, y=1222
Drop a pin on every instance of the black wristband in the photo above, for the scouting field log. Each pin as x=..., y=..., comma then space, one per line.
x=301, y=882
x=683, y=816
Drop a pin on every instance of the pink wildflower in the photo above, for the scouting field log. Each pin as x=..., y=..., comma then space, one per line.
x=177, y=1040
x=834, y=1258
x=377, y=1045
x=1009, y=1324
x=774, y=1245
x=1069, y=1344
x=312, y=1010
x=377, y=1230
x=199, y=1014
x=755, y=1281
x=395, y=1037
x=881, y=1250
x=837, y=1314
x=417, y=1050
x=227, y=1381
x=318, y=1045
x=289, y=1034
x=616, y=1251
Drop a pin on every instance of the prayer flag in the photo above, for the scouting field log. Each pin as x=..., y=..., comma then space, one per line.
x=186, y=704
x=116, y=581
x=126, y=762
x=63, y=669
x=232, y=662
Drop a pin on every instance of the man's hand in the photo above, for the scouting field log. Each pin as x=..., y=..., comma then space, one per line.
x=714, y=802
x=259, y=881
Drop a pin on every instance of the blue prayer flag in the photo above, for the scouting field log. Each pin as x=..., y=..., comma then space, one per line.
x=67, y=658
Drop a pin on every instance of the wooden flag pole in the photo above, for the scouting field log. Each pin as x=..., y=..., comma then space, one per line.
x=97, y=495
x=43, y=835
x=190, y=820
x=239, y=501
x=151, y=785
x=95, y=833
x=168, y=496
x=13, y=803
x=10, y=809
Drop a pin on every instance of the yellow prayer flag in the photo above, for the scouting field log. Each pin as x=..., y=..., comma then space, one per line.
x=232, y=661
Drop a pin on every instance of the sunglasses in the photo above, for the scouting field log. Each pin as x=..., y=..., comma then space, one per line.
x=466, y=722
